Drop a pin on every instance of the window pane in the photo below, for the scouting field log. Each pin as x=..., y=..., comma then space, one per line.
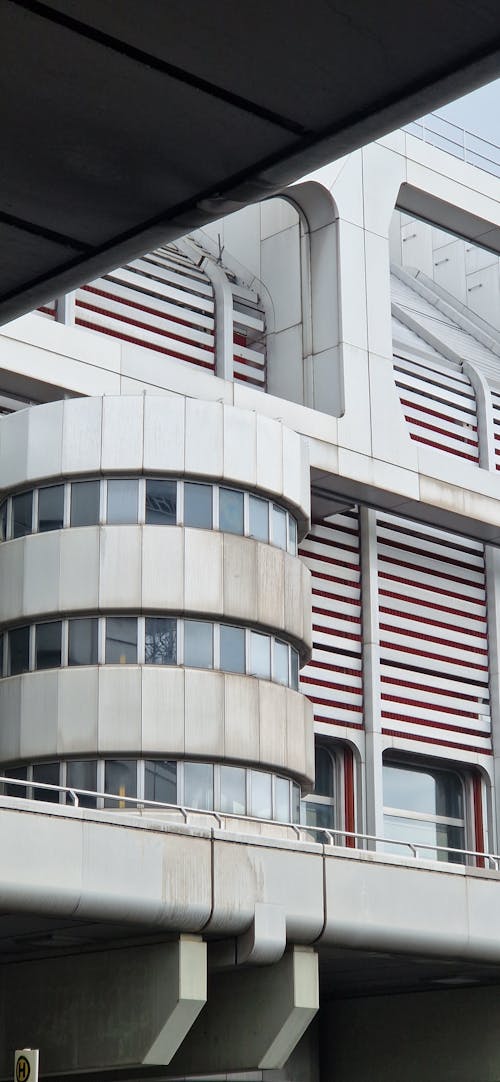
x=123, y=495
x=230, y=510
x=199, y=785
x=259, y=518
x=161, y=641
x=85, y=503
x=161, y=502
x=198, y=650
x=120, y=778
x=282, y=800
x=292, y=535
x=432, y=792
x=50, y=508
x=19, y=650
x=422, y=831
x=323, y=773
x=260, y=790
x=3, y=521
x=121, y=640
x=279, y=527
x=294, y=669
x=20, y=772
x=160, y=781
x=232, y=790
x=198, y=505
x=48, y=773
x=319, y=815
x=232, y=648
x=260, y=655
x=22, y=514
x=82, y=642
x=280, y=662
x=48, y=645
x=82, y=774
x=295, y=803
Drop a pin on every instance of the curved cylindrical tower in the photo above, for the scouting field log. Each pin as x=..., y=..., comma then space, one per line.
x=154, y=612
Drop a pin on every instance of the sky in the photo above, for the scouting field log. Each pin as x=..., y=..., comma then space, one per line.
x=478, y=112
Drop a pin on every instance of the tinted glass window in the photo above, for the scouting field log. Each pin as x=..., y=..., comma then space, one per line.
x=259, y=518
x=82, y=774
x=3, y=521
x=123, y=495
x=232, y=790
x=199, y=785
x=120, y=778
x=161, y=502
x=121, y=640
x=198, y=649
x=230, y=510
x=323, y=773
x=160, y=781
x=279, y=527
x=19, y=650
x=294, y=669
x=49, y=774
x=292, y=535
x=51, y=508
x=232, y=648
x=434, y=793
x=161, y=641
x=22, y=514
x=48, y=645
x=85, y=503
x=82, y=642
x=260, y=655
x=198, y=505
x=280, y=662
x=20, y=772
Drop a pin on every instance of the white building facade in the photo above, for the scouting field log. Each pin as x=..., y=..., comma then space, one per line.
x=249, y=648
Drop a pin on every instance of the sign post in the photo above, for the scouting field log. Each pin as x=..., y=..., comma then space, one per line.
x=26, y=1065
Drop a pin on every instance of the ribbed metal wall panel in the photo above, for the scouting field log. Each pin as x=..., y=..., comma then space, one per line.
x=333, y=680
x=439, y=406
x=161, y=301
x=433, y=636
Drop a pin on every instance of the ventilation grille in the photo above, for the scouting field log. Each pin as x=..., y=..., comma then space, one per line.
x=333, y=679
x=433, y=636
x=439, y=406
x=161, y=301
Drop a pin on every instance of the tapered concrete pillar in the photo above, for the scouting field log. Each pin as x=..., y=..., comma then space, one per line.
x=125, y=1008
x=254, y=1017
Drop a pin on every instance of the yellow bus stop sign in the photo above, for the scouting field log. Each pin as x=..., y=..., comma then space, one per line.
x=26, y=1065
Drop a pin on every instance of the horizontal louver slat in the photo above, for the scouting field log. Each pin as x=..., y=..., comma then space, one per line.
x=439, y=407
x=333, y=679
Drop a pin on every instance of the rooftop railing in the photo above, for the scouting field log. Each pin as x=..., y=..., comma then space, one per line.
x=457, y=141
x=301, y=832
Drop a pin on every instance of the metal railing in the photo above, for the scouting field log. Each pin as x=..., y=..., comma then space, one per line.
x=302, y=832
x=457, y=141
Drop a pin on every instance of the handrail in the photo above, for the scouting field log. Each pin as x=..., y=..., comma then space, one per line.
x=457, y=141
x=221, y=818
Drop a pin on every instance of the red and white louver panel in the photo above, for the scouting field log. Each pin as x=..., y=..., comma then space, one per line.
x=439, y=406
x=433, y=636
x=249, y=365
x=495, y=401
x=333, y=680
x=162, y=302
